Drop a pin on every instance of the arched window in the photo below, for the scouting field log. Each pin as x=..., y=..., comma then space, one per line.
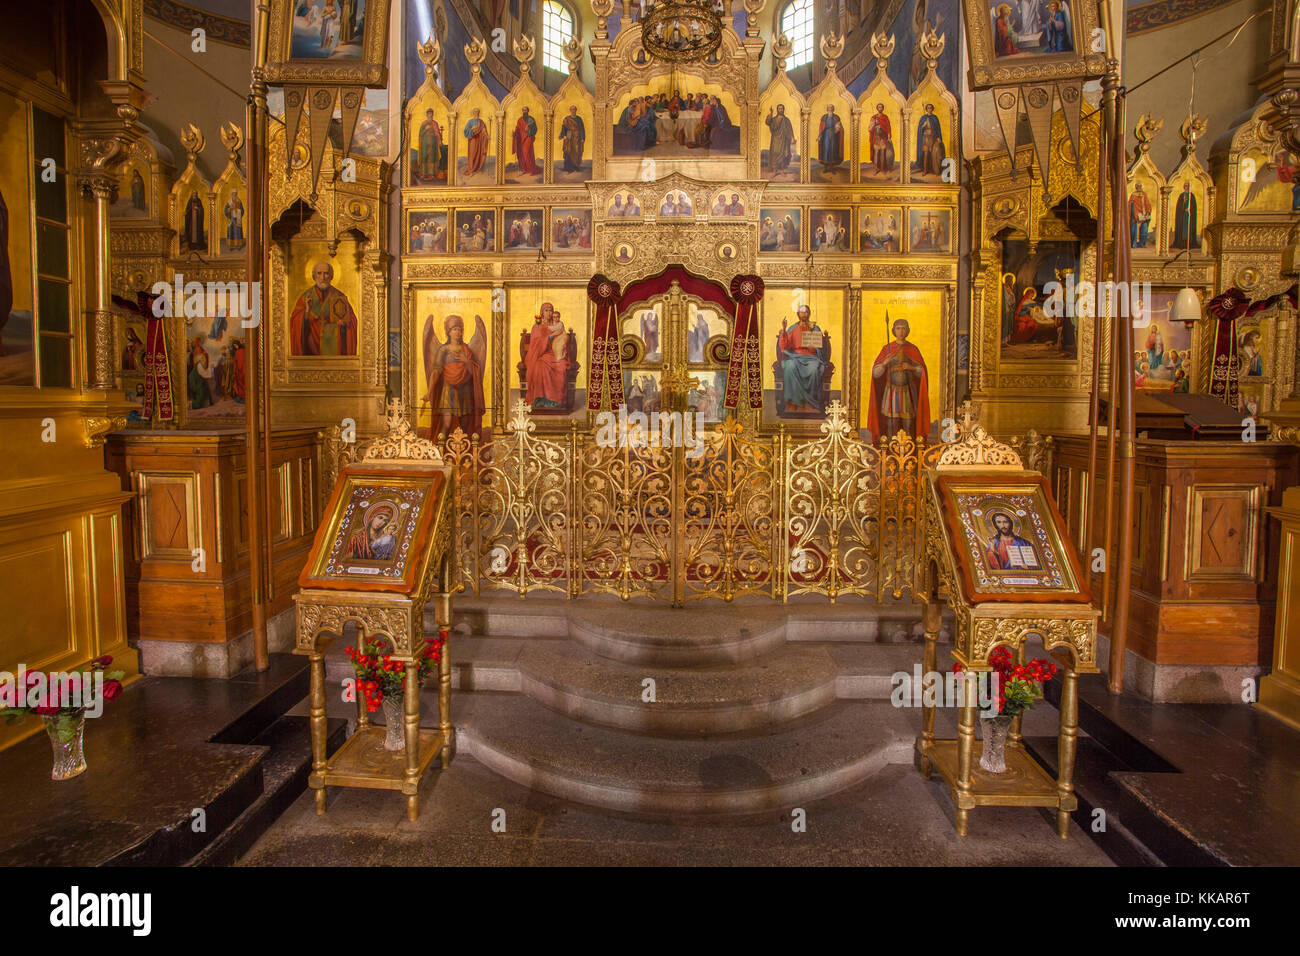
x=797, y=25
x=557, y=30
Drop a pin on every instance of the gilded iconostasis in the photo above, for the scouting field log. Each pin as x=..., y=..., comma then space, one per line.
x=445, y=256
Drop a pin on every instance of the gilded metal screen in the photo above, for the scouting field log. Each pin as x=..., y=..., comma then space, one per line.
x=741, y=514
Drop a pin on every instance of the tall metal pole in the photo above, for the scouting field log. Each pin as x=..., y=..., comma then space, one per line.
x=259, y=417
x=1094, y=415
x=1124, y=372
x=1120, y=431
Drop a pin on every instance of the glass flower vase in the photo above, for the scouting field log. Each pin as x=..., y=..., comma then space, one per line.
x=67, y=730
x=994, y=732
x=395, y=721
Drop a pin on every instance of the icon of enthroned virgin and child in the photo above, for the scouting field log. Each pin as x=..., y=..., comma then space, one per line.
x=548, y=364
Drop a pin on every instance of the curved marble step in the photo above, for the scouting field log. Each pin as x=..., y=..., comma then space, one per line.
x=699, y=637
x=837, y=747
x=778, y=687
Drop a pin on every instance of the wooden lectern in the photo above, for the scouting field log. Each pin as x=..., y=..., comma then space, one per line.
x=996, y=544
x=382, y=552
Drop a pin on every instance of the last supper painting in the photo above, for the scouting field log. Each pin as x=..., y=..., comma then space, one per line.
x=558, y=435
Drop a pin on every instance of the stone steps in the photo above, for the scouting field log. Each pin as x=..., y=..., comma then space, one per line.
x=803, y=760
x=780, y=686
x=758, y=706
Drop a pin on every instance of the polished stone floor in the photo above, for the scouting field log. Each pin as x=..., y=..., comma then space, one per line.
x=895, y=818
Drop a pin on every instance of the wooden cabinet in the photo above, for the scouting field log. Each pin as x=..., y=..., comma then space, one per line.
x=187, y=568
x=1204, y=578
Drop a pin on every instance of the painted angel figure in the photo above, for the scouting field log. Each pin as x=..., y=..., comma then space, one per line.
x=1283, y=168
x=455, y=375
x=1060, y=38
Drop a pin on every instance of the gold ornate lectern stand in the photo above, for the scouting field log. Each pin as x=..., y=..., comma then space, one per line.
x=997, y=545
x=382, y=553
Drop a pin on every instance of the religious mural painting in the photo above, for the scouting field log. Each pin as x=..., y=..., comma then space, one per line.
x=703, y=324
x=830, y=229
x=370, y=138
x=1144, y=222
x=132, y=200
x=727, y=204
x=429, y=147
x=1251, y=352
x=781, y=108
x=230, y=202
x=573, y=155
x=675, y=117
x=426, y=231
x=328, y=30
x=322, y=321
x=623, y=205
x=1270, y=182
x=676, y=203
x=476, y=230
x=525, y=111
x=475, y=164
x=1188, y=206
x=193, y=235
x=929, y=229
x=453, y=387
x=642, y=390
x=779, y=229
x=1031, y=27
x=881, y=147
x=523, y=229
x=900, y=378
x=1162, y=350
x=908, y=67
x=215, y=364
x=642, y=326
x=571, y=229
x=548, y=328
x=802, y=347
x=880, y=229
x=1029, y=329
x=17, y=276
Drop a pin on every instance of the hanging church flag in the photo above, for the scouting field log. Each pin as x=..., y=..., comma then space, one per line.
x=157, y=370
x=747, y=291
x=1227, y=307
x=320, y=55
x=606, y=364
x=1028, y=64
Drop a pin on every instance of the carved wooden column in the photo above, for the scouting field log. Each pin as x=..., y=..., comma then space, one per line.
x=99, y=323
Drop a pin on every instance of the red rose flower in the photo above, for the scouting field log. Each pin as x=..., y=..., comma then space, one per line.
x=112, y=688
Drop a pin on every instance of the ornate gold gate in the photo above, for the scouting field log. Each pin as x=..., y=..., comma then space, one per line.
x=744, y=515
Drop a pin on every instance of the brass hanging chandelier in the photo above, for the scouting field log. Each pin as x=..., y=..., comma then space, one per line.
x=681, y=31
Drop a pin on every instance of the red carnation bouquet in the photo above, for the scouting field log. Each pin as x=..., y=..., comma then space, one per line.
x=63, y=697
x=379, y=676
x=1020, y=686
